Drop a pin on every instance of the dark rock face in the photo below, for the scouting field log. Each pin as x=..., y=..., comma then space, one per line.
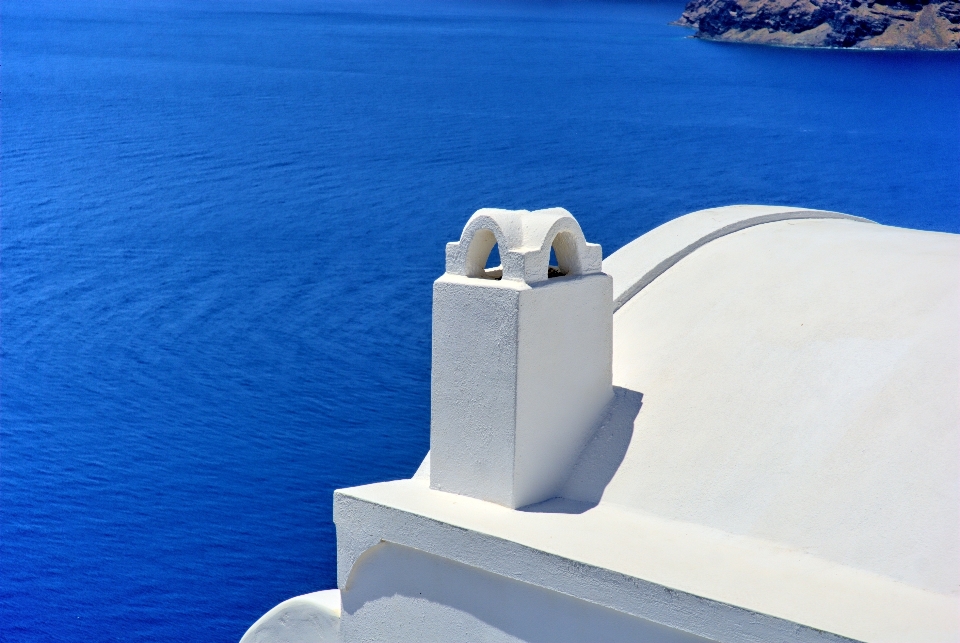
x=865, y=24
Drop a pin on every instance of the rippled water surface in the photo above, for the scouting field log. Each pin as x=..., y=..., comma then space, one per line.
x=221, y=220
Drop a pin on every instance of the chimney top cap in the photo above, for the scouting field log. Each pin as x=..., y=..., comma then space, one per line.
x=524, y=239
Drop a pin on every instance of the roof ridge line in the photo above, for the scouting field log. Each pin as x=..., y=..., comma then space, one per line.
x=702, y=237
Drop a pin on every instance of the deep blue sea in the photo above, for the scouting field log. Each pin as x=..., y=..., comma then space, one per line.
x=221, y=221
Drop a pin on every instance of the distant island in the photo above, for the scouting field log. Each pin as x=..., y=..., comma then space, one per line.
x=871, y=24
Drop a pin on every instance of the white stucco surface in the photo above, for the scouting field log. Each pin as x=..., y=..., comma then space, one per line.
x=780, y=460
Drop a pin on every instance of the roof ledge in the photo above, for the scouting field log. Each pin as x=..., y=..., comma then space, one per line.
x=642, y=260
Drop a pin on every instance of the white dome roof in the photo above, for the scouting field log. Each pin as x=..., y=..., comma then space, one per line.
x=800, y=384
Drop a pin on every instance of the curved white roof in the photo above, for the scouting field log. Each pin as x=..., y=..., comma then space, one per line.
x=801, y=384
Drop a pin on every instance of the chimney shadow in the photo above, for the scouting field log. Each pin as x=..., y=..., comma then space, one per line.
x=599, y=460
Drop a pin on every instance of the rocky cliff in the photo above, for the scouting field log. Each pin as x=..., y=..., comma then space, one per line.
x=862, y=24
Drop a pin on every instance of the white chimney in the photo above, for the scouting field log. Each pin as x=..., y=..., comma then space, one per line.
x=522, y=356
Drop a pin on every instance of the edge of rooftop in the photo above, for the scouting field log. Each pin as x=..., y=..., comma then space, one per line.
x=690, y=577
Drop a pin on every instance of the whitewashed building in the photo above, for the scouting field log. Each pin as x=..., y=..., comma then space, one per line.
x=742, y=426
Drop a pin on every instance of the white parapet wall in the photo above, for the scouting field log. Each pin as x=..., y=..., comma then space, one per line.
x=400, y=593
